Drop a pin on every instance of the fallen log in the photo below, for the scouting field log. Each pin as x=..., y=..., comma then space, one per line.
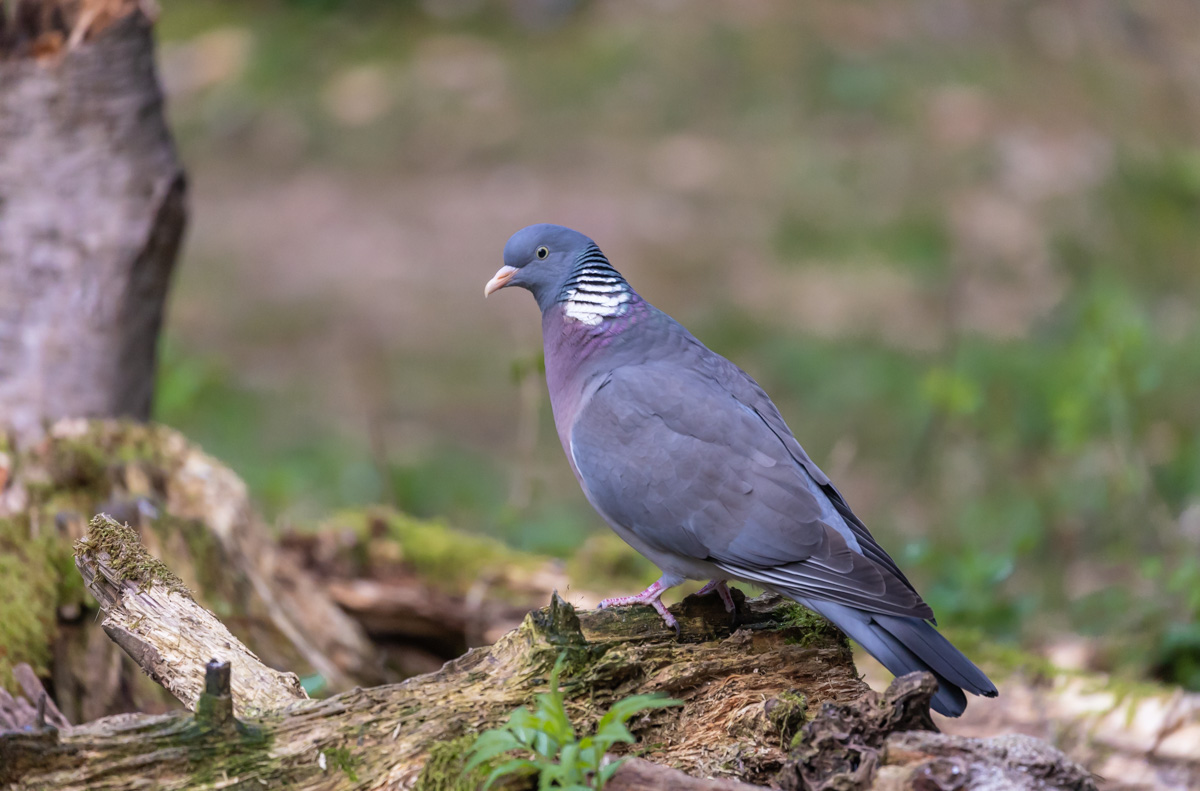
x=747, y=690
x=745, y=693
x=384, y=737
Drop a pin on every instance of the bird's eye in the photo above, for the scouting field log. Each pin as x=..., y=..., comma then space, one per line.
x=542, y=252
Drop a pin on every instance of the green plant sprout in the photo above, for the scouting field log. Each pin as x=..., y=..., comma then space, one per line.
x=560, y=760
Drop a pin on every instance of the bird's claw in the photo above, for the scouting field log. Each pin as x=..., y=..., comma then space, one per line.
x=669, y=619
x=652, y=596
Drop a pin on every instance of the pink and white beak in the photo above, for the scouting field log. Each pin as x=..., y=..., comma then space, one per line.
x=499, y=280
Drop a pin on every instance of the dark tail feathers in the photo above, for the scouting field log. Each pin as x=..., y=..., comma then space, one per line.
x=904, y=645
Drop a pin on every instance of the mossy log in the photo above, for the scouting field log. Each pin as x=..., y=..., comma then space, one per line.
x=421, y=590
x=746, y=713
x=190, y=511
x=413, y=734
x=747, y=687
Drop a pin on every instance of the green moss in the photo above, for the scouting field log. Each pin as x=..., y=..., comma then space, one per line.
x=250, y=759
x=78, y=463
x=213, y=711
x=127, y=557
x=810, y=627
x=787, y=713
x=65, y=477
x=559, y=636
x=341, y=759
x=443, y=770
x=28, y=607
x=447, y=558
x=78, y=472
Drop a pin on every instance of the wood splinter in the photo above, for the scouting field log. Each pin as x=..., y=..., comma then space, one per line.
x=215, y=706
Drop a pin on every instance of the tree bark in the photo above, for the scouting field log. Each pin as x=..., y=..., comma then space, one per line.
x=92, y=210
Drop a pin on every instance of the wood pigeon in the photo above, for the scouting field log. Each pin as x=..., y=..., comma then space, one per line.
x=690, y=462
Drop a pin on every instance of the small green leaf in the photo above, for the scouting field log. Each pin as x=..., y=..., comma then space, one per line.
x=521, y=766
x=614, y=732
x=543, y=745
x=489, y=745
x=562, y=761
x=569, y=758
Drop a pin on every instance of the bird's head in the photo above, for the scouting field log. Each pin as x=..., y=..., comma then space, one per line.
x=541, y=259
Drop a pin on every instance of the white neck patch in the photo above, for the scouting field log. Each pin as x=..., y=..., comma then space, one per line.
x=595, y=291
x=592, y=304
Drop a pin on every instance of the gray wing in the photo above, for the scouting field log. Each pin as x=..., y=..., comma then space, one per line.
x=743, y=387
x=667, y=452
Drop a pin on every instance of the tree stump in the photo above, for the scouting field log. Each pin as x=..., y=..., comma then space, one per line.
x=92, y=210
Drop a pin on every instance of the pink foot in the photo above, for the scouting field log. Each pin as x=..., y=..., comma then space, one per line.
x=652, y=596
x=722, y=590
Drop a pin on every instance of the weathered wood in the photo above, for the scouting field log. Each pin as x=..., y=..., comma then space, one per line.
x=384, y=737
x=844, y=745
x=34, y=710
x=92, y=210
x=888, y=742
x=153, y=617
x=921, y=760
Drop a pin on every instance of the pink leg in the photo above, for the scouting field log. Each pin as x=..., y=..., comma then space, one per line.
x=722, y=590
x=652, y=596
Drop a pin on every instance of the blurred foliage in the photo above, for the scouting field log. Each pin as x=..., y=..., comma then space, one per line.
x=28, y=572
x=1035, y=475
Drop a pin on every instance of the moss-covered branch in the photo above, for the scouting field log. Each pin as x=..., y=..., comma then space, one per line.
x=152, y=616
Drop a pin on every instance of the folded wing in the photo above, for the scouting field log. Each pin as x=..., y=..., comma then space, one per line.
x=671, y=453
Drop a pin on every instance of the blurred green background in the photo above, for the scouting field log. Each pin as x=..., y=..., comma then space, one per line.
x=958, y=242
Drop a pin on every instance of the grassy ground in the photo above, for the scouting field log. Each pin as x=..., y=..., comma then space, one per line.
x=956, y=242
